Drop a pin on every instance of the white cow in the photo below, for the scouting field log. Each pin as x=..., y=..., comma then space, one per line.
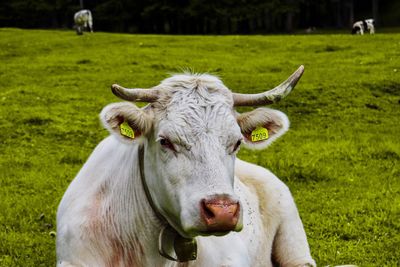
x=168, y=177
x=360, y=27
x=83, y=21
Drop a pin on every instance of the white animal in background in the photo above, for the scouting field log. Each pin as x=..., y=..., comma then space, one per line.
x=166, y=188
x=83, y=21
x=311, y=29
x=362, y=26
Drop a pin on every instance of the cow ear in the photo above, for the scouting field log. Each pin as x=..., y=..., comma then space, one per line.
x=262, y=126
x=126, y=121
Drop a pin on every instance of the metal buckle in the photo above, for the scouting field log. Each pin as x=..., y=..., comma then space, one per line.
x=175, y=247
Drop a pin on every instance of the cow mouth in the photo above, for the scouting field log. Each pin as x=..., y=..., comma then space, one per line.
x=215, y=233
x=192, y=232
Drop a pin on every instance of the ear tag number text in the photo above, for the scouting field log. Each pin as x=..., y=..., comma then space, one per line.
x=126, y=130
x=259, y=134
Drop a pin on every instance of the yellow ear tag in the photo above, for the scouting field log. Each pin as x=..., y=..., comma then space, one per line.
x=127, y=130
x=259, y=134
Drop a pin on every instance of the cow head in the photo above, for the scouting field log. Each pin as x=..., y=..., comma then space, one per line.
x=191, y=134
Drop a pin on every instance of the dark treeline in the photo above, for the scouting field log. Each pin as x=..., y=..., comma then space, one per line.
x=200, y=16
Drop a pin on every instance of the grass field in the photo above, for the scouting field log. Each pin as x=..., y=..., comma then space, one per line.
x=341, y=157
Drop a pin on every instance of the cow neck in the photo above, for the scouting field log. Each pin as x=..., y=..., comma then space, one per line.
x=169, y=239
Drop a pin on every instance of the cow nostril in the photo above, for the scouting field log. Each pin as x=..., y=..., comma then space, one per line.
x=236, y=210
x=206, y=211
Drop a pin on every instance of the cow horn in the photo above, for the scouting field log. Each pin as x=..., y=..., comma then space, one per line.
x=135, y=95
x=271, y=96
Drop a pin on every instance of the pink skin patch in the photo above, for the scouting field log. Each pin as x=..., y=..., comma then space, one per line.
x=102, y=235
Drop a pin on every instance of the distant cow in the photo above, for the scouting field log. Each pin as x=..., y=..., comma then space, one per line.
x=362, y=26
x=83, y=21
x=166, y=185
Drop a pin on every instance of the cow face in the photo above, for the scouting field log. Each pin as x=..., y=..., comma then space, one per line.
x=191, y=136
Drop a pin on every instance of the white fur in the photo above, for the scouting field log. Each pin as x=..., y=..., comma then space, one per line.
x=104, y=218
x=361, y=29
x=84, y=19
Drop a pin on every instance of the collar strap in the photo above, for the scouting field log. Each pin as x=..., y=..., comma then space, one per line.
x=169, y=239
x=145, y=187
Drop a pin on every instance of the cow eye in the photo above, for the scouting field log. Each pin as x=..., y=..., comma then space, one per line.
x=237, y=145
x=164, y=142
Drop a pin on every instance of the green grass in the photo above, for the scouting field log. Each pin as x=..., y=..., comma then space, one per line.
x=340, y=158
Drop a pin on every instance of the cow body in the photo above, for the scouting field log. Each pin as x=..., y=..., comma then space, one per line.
x=105, y=218
x=362, y=26
x=83, y=21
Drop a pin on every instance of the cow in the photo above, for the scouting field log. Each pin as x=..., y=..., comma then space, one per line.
x=166, y=189
x=362, y=26
x=83, y=21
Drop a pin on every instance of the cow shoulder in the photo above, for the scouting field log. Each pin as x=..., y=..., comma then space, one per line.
x=273, y=195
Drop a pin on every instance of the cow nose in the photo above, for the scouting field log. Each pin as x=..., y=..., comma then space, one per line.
x=220, y=214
